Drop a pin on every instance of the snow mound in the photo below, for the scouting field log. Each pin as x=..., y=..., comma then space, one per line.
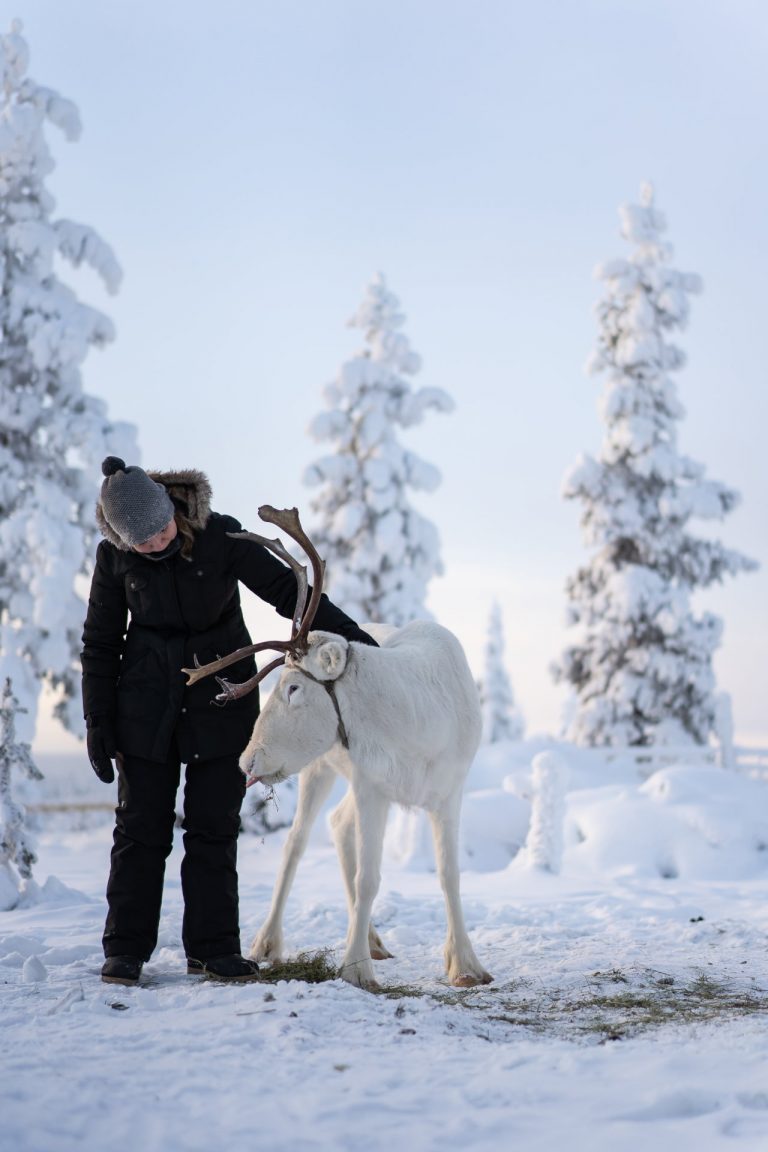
x=692, y=822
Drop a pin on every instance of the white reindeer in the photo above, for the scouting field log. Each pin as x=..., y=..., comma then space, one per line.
x=315, y=784
x=400, y=722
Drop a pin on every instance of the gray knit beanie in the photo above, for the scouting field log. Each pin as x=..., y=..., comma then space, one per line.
x=134, y=506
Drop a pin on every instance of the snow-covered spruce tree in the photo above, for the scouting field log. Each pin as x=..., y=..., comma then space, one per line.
x=16, y=854
x=52, y=435
x=642, y=667
x=501, y=719
x=381, y=554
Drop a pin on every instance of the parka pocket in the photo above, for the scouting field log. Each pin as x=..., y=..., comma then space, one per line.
x=136, y=597
x=141, y=689
x=133, y=671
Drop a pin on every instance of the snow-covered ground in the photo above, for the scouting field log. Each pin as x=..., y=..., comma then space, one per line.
x=628, y=1012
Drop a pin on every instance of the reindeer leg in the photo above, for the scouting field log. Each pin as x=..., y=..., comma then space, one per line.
x=344, y=836
x=370, y=822
x=463, y=968
x=315, y=783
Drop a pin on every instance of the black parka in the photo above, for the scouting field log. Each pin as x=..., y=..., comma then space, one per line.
x=147, y=619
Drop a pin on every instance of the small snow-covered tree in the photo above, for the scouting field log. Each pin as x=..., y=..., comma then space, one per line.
x=501, y=719
x=16, y=854
x=52, y=435
x=543, y=848
x=642, y=667
x=381, y=553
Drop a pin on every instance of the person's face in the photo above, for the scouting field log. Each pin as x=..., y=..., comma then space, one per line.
x=160, y=540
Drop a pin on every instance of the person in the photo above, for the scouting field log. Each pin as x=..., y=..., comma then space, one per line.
x=165, y=591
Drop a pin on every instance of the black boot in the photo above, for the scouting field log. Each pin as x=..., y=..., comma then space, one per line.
x=121, y=970
x=233, y=969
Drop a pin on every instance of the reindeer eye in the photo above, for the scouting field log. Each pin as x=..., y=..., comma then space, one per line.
x=291, y=689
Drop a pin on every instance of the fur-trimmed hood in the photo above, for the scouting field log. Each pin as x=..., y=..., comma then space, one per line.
x=189, y=489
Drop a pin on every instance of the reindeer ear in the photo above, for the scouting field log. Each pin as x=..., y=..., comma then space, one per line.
x=332, y=658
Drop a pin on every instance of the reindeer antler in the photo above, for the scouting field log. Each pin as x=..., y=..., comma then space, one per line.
x=303, y=616
x=288, y=520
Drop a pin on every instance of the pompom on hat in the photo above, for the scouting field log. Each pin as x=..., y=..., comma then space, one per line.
x=134, y=506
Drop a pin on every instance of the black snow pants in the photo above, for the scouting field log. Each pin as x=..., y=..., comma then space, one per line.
x=143, y=839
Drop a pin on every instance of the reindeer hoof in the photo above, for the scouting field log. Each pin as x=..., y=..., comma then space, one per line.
x=381, y=954
x=266, y=948
x=366, y=980
x=470, y=980
x=365, y=985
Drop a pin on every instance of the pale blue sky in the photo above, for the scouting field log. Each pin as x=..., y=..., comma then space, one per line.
x=254, y=164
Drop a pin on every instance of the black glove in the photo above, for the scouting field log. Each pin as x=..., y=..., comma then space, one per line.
x=102, y=746
x=360, y=637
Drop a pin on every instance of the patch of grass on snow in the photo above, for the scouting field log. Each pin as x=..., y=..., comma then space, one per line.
x=311, y=967
x=659, y=1000
x=611, y=1005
